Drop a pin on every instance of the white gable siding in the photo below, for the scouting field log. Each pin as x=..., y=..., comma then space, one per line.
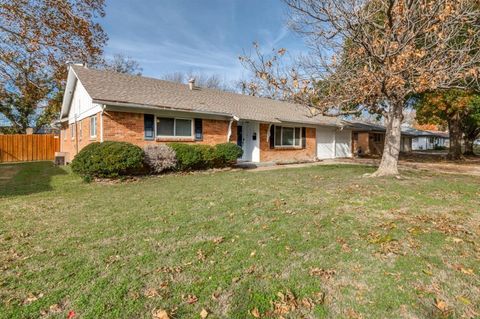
x=81, y=105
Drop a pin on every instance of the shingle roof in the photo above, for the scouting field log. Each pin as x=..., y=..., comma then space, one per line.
x=369, y=127
x=108, y=86
x=364, y=126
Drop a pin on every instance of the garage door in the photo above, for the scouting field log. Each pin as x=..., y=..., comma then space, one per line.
x=325, y=143
x=343, y=143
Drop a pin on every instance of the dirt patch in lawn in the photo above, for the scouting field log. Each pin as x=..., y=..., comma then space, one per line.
x=7, y=172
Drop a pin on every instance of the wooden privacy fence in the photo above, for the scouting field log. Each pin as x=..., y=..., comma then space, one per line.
x=31, y=147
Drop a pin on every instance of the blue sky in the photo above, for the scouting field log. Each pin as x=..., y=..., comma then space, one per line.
x=205, y=36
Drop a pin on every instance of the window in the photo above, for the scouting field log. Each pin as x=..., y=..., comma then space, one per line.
x=432, y=140
x=172, y=127
x=377, y=138
x=93, y=126
x=149, y=125
x=198, y=129
x=288, y=136
x=72, y=131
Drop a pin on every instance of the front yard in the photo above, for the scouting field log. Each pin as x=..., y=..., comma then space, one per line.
x=312, y=242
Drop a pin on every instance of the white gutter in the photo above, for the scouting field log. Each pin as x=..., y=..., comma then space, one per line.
x=101, y=122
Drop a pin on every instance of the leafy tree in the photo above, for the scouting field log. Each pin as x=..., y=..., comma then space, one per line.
x=455, y=108
x=374, y=55
x=37, y=38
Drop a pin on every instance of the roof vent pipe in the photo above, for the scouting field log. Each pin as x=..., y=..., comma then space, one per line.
x=191, y=83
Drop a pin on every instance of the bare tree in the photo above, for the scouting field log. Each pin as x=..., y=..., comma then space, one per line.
x=376, y=54
x=212, y=81
x=123, y=64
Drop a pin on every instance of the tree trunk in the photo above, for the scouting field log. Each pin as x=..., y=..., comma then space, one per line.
x=389, y=164
x=469, y=146
x=454, y=126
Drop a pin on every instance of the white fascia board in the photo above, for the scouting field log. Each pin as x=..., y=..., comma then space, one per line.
x=68, y=94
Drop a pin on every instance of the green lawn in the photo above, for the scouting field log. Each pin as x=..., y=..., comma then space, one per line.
x=316, y=242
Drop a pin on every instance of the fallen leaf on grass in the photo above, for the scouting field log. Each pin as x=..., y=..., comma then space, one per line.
x=286, y=304
x=191, y=299
x=441, y=305
x=464, y=300
x=150, y=293
x=466, y=271
x=31, y=298
x=160, y=314
x=203, y=313
x=201, y=255
x=218, y=240
x=170, y=270
x=56, y=308
x=324, y=273
x=254, y=312
x=353, y=314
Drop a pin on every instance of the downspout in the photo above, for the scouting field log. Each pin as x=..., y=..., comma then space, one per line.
x=76, y=134
x=101, y=122
x=268, y=132
x=229, y=132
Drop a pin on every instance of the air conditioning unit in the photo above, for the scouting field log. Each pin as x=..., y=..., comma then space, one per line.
x=60, y=158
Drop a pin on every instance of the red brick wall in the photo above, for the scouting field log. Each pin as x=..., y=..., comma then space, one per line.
x=81, y=136
x=287, y=155
x=129, y=127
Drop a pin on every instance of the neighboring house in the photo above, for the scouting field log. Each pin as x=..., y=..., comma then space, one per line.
x=107, y=106
x=369, y=139
x=428, y=140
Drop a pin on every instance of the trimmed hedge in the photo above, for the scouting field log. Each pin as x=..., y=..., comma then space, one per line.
x=196, y=157
x=108, y=159
x=227, y=153
x=189, y=157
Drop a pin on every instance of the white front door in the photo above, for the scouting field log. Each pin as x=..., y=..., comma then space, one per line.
x=325, y=142
x=250, y=141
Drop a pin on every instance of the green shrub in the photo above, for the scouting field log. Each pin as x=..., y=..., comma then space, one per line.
x=208, y=156
x=195, y=157
x=227, y=153
x=108, y=159
x=189, y=157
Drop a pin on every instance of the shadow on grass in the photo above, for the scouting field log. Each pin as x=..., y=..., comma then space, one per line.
x=27, y=178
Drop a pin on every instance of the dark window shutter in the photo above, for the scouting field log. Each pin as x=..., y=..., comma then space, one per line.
x=304, y=137
x=149, y=126
x=198, y=129
x=272, y=136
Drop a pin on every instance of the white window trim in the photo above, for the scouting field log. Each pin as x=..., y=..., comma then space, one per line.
x=192, y=124
x=93, y=117
x=72, y=130
x=281, y=137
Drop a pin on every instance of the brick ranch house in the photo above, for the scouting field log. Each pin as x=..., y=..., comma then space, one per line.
x=107, y=106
